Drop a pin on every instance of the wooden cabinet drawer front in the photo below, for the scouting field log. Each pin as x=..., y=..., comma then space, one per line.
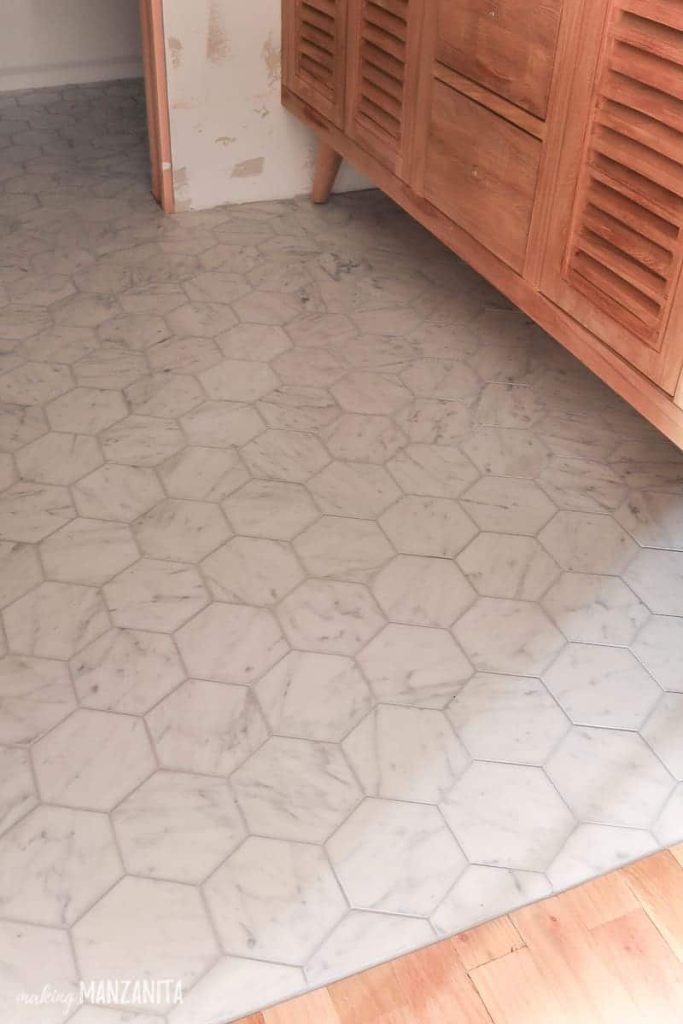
x=481, y=171
x=506, y=45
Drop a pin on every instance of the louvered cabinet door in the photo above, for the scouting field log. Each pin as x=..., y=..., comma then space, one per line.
x=314, y=54
x=615, y=260
x=382, y=74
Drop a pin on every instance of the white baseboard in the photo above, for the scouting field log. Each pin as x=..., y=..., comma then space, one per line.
x=73, y=73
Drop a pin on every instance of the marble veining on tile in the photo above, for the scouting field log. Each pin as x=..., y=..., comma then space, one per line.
x=341, y=608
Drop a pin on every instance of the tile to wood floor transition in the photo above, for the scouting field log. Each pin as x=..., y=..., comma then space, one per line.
x=608, y=952
x=342, y=610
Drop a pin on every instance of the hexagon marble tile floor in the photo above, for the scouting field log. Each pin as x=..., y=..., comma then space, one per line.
x=342, y=608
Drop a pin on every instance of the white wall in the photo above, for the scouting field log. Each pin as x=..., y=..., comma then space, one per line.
x=57, y=42
x=231, y=140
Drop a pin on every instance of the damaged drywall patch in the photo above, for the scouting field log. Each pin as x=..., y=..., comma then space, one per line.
x=181, y=189
x=175, y=49
x=248, y=168
x=217, y=41
x=230, y=134
x=272, y=58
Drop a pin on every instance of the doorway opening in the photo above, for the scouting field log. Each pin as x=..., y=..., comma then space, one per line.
x=83, y=85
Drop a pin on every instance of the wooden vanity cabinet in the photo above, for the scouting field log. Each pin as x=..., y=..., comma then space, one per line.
x=542, y=140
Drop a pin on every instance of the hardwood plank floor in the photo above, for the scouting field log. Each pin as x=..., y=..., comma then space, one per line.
x=607, y=952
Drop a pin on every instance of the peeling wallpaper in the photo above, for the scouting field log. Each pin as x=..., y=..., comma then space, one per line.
x=231, y=140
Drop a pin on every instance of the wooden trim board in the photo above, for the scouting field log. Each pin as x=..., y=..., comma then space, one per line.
x=156, y=95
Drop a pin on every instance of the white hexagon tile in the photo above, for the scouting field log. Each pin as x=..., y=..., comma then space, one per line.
x=341, y=609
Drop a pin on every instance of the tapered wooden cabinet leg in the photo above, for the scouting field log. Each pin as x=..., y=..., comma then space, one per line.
x=327, y=163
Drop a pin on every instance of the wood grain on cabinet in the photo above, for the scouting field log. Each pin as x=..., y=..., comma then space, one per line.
x=492, y=101
x=481, y=171
x=616, y=263
x=503, y=45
